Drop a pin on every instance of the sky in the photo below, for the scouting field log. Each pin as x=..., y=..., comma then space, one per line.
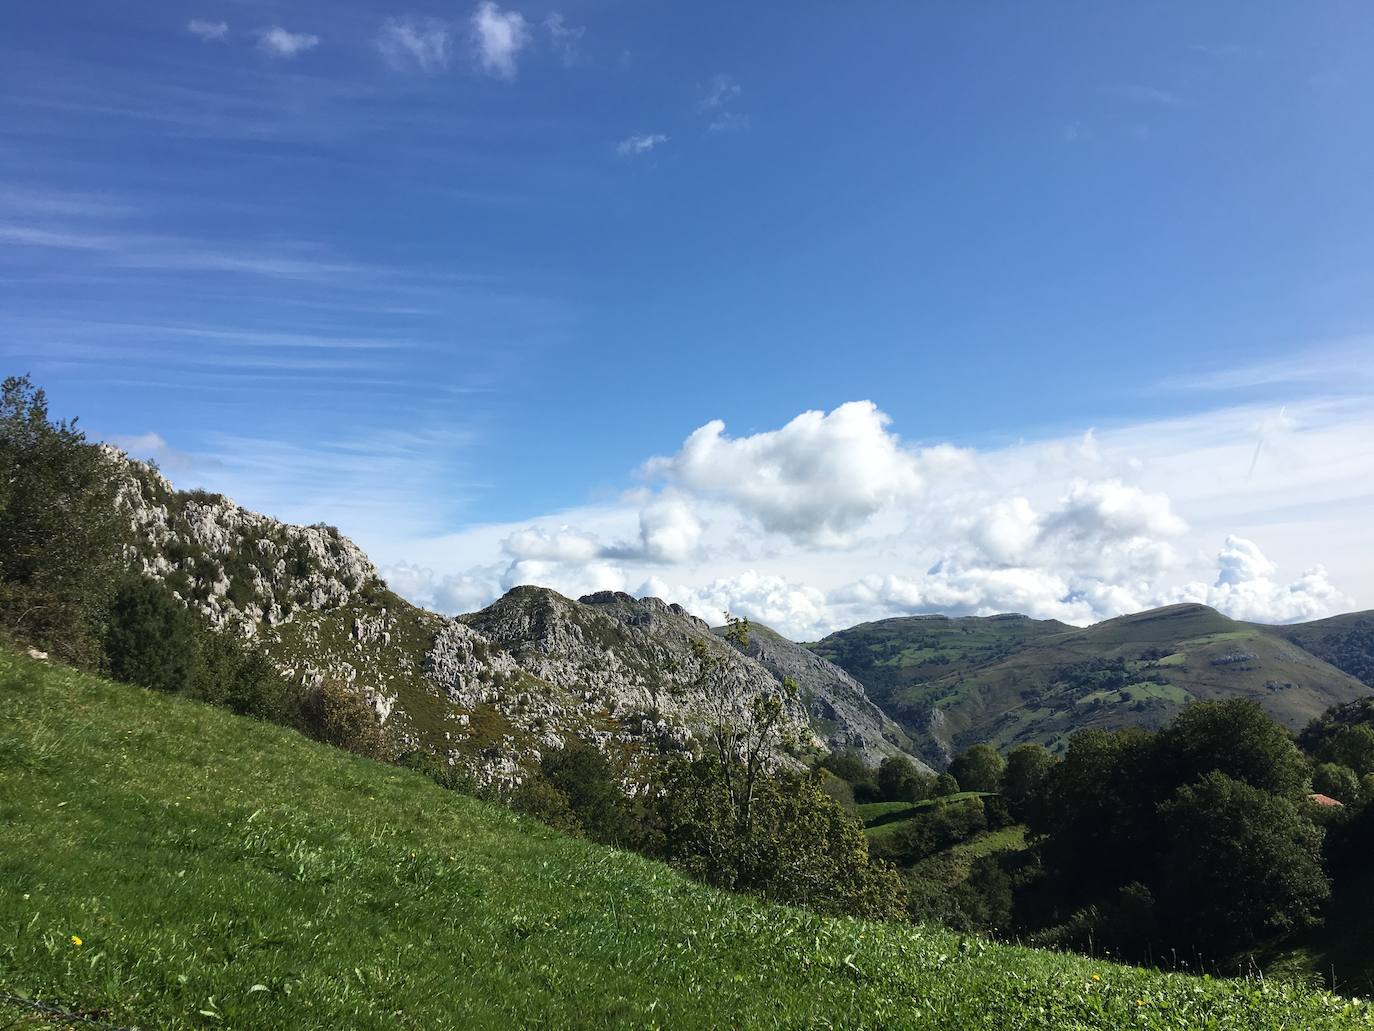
x=811, y=313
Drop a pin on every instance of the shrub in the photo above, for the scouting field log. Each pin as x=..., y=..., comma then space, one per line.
x=336, y=714
x=151, y=639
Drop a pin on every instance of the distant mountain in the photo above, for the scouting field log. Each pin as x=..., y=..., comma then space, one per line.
x=952, y=682
x=491, y=690
x=1347, y=642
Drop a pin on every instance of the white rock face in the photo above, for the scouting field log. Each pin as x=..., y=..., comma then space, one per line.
x=240, y=569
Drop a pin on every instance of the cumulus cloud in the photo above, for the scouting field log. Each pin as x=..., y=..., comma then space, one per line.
x=565, y=39
x=1245, y=588
x=562, y=545
x=421, y=43
x=774, y=601
x=832, y=519
x=498, y=37
x=208, y=31
x=450, y=595
x=633, y=145
x=816, y=480
x=278, y=42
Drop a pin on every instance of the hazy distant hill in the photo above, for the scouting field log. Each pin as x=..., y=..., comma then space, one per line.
x=952, y=682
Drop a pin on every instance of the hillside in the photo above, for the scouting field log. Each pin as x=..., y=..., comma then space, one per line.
x=1346, y=641
x=839, y=707
x=490, y=691
x=283, y=884
x=1010, y=679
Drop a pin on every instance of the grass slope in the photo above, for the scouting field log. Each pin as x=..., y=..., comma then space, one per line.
x=1009, y=680
x=224, y=873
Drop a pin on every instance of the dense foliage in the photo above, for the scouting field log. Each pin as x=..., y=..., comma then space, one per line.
x=60, y=533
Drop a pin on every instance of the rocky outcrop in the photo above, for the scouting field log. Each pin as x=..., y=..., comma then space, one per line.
x=841, y=713
x=630, y=658
x=238, y=568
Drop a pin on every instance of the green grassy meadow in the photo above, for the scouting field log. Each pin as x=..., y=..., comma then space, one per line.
x=168, y=865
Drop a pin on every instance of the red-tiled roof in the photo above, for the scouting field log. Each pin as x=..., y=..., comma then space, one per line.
x=1321, y=799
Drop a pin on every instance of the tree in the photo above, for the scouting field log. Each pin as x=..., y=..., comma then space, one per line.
x=583, y=775
x=1337, y=781
x=151, y=639
x=900, y=781
x=1027, y=767
x=978, y=768
x=1235, y=737
x=746, y=728
x=945, y=784
x=1241, y=866
x=61, y=557
x=1353, y=747
x=802, y=849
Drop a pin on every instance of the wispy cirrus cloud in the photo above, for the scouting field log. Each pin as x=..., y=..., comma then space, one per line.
x=1145, y=94
x=632, y=146
x=497, y=38
x=413, y=42
x=565, y=39
x=278, y=42
x=718, y=91
x=208, y=31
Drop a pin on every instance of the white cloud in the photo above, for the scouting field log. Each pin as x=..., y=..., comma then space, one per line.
x=565, y=39
x=718, y=92
x=1245, y=588
x=832, y=519
x=208, y=31
x=278, y=42
x=447, y=594
x=633, y=145
x=421, y=43
x=816, y=480
x=498, y=37
x=729, y=121
x=562, y=545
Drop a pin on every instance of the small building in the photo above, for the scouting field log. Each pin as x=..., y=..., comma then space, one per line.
x=1321, y=799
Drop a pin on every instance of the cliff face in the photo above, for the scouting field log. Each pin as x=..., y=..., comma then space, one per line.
x=841, y=713
x=491, y=690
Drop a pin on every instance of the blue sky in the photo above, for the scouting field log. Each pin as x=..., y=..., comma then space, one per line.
x=451, y=275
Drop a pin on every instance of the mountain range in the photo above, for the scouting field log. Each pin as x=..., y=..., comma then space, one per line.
x=492, y=690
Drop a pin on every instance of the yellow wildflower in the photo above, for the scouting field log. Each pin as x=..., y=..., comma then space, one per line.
x=1097, y=977
x=76, y=940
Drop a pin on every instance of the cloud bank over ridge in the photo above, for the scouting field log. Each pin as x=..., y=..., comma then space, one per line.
x=833, y=518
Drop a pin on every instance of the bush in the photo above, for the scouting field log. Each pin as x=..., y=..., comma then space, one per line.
x=151, y=639
x=801, y=847
x=336, y=714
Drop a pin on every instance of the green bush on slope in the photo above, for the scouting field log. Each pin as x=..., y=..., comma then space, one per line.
x=224, y=872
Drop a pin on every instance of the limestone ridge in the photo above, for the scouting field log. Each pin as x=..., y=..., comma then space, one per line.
x=631, y=658
x=841, y=712
x=490, y=691
x=241, y=570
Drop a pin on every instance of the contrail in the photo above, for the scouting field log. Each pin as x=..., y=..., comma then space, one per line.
x=1260, y=444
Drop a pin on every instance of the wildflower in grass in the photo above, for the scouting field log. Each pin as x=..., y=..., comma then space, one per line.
x=1097, y=977
x=76, y=940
